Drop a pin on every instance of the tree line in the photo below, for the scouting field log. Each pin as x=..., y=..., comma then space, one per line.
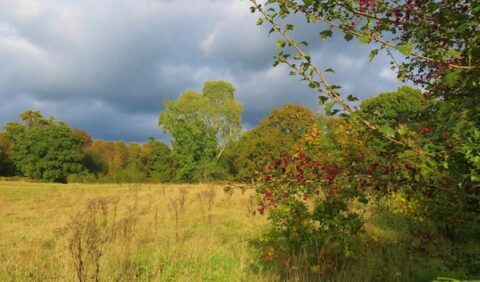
x=207, y=144
x=207, y=141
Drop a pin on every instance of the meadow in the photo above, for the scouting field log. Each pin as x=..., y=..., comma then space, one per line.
x=170, y=232
x=131, y=232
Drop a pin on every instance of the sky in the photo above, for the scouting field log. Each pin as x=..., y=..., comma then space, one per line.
x=105, y=66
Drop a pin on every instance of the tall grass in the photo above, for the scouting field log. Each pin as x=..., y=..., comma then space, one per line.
x=146, y=232
x=126, y=233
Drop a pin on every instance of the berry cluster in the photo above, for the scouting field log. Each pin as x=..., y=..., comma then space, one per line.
x=294, y=175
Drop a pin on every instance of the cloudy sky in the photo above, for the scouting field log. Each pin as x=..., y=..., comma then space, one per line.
x=105, y=66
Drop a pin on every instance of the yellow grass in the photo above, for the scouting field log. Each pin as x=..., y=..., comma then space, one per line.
x=139, y=238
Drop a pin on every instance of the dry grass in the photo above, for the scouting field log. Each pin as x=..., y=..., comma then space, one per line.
x=147, y=232
x=54, y=232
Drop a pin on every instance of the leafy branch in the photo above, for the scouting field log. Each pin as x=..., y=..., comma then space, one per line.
x=308, y=70
x=406, y=48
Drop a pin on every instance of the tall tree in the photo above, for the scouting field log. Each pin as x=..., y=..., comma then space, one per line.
x=224, y=111
x=201, y=125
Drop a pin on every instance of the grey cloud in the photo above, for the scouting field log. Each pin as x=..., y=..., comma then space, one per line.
x=106, y=66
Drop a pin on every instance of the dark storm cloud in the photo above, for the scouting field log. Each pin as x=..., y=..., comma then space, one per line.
x=106, y=66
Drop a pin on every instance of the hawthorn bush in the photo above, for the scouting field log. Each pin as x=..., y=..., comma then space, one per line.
x=315, y=193
x=431, y=156
x=311, y=201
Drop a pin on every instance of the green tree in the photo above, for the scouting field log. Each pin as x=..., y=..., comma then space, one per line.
x=160, y=164
x=194, y=149
x=44, y=148
x=405, y=106
x=7, y=167
x=134, y=170
x=201, y=124
x=224, y=111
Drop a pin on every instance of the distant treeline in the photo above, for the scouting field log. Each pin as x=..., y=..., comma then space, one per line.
x=48, y=150
x=207, y=144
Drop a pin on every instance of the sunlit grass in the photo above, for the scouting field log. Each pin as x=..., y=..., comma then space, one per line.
x=209, y=247
x=149, y=233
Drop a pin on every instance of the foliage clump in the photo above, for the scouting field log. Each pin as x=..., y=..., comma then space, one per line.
x=201, y=125
x=45, y=149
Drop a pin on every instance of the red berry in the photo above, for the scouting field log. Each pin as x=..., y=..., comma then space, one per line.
x=334, y=169
x=426, y=130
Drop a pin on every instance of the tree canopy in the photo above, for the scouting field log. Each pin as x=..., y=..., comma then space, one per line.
x=276, y=133
x=201, y=125
x=404, y=106
x=44, y=148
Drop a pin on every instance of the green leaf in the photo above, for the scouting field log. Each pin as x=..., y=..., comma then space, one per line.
x=348, y=36
x=289, y=27
x=260, y=21
x=452, y=78
x=373, y=53
x=325, y=34
x=405, y=48
x=280, y=44
x=314, y=84
x=330, y=70
x=352, y=98
x=353, y=118
x=305, y=66
x=304, y=43
x=387, y=131
x=364, y=39
x=402, y=131
x=452, y=53
x=322, y=100
x=403, y=72
x=329, y=109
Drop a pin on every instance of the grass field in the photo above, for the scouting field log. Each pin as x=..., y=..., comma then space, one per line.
x=132, y=232
x=147, y=232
